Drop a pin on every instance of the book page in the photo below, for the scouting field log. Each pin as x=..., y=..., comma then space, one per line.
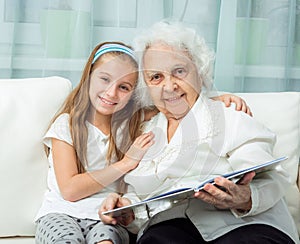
x=175, y=196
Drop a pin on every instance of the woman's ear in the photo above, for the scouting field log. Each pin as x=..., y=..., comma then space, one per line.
x=200, y=83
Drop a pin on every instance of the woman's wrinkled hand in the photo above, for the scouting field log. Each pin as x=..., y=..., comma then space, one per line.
x=226, y=194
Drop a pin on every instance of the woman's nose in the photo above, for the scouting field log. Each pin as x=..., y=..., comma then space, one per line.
x=170, y=83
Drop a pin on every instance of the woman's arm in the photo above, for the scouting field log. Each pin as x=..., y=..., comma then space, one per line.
x=248, y=143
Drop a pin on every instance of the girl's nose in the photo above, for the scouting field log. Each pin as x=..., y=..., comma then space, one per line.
x=111, y=91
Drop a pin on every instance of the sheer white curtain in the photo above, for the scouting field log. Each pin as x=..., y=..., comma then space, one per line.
x=257, y=42
x=44, y=38
x=258, y=46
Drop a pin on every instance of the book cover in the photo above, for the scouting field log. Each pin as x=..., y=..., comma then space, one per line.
x=184, y=193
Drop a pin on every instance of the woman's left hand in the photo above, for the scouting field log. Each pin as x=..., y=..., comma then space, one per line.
x=227, y=194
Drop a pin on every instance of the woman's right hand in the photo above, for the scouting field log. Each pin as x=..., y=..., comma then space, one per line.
x=139, y=147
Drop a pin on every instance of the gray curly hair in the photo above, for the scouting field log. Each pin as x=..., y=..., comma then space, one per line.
x=179, y=36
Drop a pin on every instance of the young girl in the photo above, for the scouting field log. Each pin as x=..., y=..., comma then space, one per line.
x=85, y=163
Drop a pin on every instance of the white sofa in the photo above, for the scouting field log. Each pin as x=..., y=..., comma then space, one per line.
x=27, y=105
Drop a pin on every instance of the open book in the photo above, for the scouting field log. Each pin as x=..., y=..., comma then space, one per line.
x=184, y=193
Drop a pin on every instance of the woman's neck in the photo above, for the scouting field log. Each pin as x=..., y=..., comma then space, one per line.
x=172, y=127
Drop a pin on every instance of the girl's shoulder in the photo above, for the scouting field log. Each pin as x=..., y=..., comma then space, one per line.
x=62, y=119
x=61, y=124
x=60, y=129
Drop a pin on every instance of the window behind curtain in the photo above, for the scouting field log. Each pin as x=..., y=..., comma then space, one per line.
x=257, y=42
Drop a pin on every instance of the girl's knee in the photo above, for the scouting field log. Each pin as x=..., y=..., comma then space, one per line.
x=105, y=242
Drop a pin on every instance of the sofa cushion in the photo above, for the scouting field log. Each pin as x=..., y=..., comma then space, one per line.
x=17, y=240
x=26, y=107
x=280, y=112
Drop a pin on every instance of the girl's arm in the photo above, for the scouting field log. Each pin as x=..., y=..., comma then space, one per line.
x=75, y=186
x=239, y=102
x=240, y=105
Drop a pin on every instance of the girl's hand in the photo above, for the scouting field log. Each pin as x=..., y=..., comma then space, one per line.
x=112, y=201
x=139, y=147
x=239, y=102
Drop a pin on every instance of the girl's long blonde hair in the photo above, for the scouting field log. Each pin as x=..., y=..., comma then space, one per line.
x=77, y=105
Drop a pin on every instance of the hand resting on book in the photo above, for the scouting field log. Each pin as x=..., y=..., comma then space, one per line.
x=112, y=201
x=224, y=194
x=236, y=196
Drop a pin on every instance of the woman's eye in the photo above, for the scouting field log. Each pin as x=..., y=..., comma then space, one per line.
x=180, y=73
x=156, y=78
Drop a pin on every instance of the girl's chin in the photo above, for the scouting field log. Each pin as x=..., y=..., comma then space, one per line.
x=109, y=110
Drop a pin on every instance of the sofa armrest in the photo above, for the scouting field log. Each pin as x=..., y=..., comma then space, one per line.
x=298, y=180
x=26, y=108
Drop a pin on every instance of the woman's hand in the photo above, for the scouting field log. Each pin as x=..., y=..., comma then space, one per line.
x=240, y=104
x=231, y=195
x=113, y=201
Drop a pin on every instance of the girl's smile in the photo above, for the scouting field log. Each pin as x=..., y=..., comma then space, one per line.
x=107, y=101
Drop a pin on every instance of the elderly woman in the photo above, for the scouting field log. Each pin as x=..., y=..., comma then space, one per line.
x=197, y=138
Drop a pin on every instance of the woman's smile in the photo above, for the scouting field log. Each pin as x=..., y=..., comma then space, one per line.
x=174, y=99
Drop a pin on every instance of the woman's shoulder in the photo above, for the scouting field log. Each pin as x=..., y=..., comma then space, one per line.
x=245, y=127
x=147, y=125
x=149, y=113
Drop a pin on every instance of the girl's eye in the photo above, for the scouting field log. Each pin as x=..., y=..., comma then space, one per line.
x=180, y=73
x=105, y=79
x=156, y=78
x=125, y=88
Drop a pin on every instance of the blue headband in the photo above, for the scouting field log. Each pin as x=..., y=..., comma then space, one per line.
x=113, y=47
